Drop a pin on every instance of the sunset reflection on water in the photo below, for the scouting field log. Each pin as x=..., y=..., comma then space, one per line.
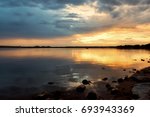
x=108, y=57
x=65, y=68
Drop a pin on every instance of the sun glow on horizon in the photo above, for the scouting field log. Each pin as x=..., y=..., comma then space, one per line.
x=114, y=36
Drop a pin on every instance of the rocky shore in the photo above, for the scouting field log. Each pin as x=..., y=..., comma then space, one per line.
x=134, y=87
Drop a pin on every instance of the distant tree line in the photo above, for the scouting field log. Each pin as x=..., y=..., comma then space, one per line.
x=146, y=46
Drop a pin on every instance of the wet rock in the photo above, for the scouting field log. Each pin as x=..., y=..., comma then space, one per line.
x=134, y=79
x=143, y=79
x=142, y=60
x=142, y=90
x=104, y=79
x=81, y=88
x=126, y=78
x=134, y=69
x=114, y=91
x=120, y=80
x=108, y=86
x=91, y=96
x=124, y=69
x=86, y=82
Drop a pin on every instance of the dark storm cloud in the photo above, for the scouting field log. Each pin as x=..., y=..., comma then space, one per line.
x=22, y=23
x=116, y=7
x=45, y=4
x=47, y=18
x=19, y=14
x=110, y=5
x=121, y=2
x=110, y=2
x=32, y=18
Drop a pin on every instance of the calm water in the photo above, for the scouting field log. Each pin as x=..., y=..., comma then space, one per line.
x=30, y=70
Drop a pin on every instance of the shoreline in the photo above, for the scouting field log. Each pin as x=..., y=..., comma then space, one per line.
x=135, y=87
x=145, y=46
x=124, y=89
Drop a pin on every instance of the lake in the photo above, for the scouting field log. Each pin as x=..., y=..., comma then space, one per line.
x=27, y=71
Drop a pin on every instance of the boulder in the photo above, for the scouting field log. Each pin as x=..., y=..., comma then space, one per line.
x=92, y=96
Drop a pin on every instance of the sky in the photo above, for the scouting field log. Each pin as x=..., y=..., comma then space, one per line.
x=74, y=22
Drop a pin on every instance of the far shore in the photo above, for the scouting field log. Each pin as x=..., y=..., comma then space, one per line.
x=146, y=46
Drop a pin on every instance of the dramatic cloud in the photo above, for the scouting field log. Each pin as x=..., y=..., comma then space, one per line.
x=45, y=4
x=53, y=19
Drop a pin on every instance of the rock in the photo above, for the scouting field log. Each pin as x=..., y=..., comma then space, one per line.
x=142, y=60
x=114, y=91
x=142, y=76
x=142, y=90
x=81, y=88
x=120, y=80
x=91, y=96
x=134, y=69
x=104, y=79
x=124, y=69
x=134, y=78
x=126, y=78
x=86, y=82
x=108, y=86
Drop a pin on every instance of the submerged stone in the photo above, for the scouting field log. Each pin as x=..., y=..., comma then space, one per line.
x=86, y=82
x=104, y=79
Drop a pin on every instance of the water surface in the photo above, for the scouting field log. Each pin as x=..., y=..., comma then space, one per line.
x=30, y=70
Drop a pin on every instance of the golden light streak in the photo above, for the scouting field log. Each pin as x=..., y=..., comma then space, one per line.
x=112, y=57
x=115, y=58
x=118, y=35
